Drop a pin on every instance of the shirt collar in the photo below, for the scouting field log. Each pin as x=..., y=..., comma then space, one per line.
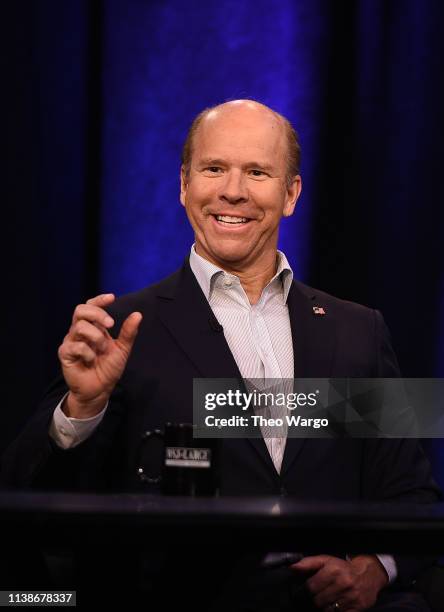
x=206, y=273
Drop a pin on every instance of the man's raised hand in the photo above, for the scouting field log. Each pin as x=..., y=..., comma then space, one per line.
x=92, y=361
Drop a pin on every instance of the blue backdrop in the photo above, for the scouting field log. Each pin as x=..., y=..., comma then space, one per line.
x=102, y=94
x=163, y=63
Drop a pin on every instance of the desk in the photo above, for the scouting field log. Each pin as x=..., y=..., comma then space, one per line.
x=269, y=523
x=107, y=547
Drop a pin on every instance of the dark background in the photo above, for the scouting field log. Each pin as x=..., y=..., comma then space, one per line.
x=100, y=96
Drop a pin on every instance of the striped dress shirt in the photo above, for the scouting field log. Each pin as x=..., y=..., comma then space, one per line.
x=258, y=335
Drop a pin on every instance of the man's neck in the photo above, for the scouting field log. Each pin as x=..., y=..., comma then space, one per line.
x=253, y=277
x=254, y=281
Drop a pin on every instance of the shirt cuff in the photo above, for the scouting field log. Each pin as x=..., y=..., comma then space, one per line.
x=389, y=564
x=68, y=432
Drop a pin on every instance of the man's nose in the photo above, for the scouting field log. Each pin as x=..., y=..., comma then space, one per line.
x=234, y=189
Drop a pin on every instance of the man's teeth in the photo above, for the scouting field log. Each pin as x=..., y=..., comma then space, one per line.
x=227, y=219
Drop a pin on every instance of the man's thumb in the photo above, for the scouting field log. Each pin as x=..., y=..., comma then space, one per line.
x=129, y=330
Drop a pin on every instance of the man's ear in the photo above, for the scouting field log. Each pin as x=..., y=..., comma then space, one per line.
x=293, y=193
x=183, y=184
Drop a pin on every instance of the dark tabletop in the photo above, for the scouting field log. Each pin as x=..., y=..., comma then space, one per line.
x=280, y=521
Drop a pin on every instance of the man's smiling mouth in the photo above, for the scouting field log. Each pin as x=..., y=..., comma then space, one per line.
x=229, y=220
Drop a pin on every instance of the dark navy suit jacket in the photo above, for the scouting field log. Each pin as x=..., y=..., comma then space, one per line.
x=178, y=340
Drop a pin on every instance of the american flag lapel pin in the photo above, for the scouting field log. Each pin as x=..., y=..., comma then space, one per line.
x=318, y=310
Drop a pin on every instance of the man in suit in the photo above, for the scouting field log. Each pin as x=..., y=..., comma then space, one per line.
x=233, y=310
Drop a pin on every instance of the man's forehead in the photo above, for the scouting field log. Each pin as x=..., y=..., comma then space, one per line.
x=241, y=124
x=242, y=111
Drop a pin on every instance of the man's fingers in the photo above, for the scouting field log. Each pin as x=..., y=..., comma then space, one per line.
x=332, y=594
x=102, y=300
x=320, y=580
x=311, y=564
x=96, y=337
x=93, y=314
x=75, y=351
x=129, y=330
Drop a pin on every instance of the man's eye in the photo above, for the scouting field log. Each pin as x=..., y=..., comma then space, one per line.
x=213, y=169
x=257, y=172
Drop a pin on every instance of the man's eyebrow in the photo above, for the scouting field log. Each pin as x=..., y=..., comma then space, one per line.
x=260, y=165
x=211, y=161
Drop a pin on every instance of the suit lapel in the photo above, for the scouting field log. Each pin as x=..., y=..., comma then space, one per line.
x=313, y=348
x=184, y=310
x=313, y=334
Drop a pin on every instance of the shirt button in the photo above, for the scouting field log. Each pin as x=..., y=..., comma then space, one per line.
x=63, y=431
x=228, y=282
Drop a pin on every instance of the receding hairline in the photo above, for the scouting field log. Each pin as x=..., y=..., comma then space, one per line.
x=293, y=152
x=233, y=105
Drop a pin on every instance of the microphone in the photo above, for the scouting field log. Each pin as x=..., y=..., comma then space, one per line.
x=215, y=325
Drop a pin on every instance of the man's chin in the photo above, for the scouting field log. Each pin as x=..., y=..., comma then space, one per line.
x=228, y=256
